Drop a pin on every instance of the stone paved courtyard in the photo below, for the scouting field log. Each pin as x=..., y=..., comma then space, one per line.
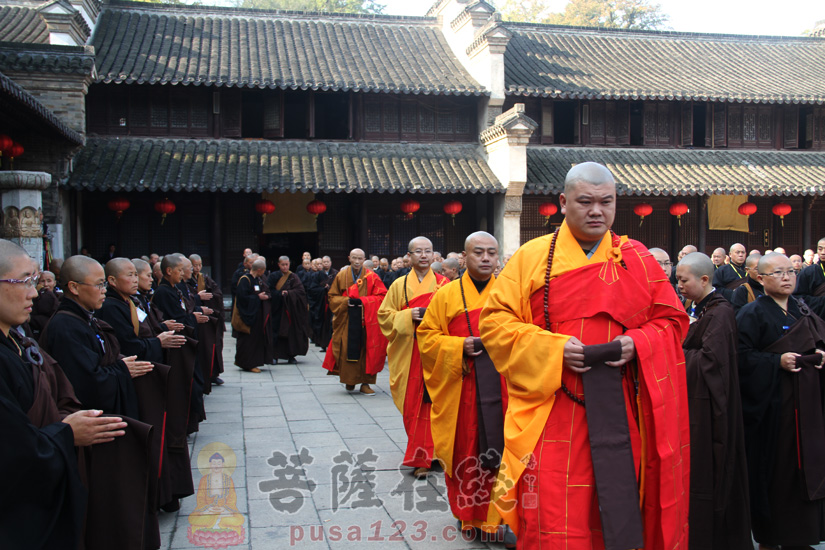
x=267, y=419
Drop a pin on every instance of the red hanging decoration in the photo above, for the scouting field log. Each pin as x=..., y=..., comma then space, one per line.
x=15, y=150
x=410, y=207
x=164, y=207
x=452, y=208
x=781, y=209
x=547, y=209
x=119, y=205
x=678, y=209
x=642, y=209
x=5, y=143
x=264, y=206
x=747, y=209
x=316, y=207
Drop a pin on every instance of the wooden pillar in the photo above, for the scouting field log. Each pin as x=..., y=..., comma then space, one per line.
x=674, y=236
x=702, y=211
x=215, y=244
x=362, y=233
x=807, y=205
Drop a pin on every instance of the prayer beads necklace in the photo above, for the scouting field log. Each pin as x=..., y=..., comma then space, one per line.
x=464, y=301
x=564, y=387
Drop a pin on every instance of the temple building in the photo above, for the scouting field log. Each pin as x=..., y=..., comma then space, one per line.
x=183, y=125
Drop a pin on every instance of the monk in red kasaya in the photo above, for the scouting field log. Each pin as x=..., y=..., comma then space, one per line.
x=587, y=331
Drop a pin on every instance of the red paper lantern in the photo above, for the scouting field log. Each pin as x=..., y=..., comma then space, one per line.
x=547, y=209
x=747, y=209
x=14, y=151
x=678, y=209
x=264, y=206
x=164, y=207
x=119, y=205
x=410, y=207
x=642, y=209
x=5, y=143
x=782, y=209
x=316, y=207
x=452, y=208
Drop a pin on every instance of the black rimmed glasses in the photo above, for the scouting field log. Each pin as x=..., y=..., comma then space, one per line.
x=779, y=274
x=100, y=286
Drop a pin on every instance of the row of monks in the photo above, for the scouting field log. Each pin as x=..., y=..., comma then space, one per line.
x=584, y=401
x=100, y=385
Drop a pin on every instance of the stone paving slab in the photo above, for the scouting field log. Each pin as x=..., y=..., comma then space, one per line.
x=266, y=419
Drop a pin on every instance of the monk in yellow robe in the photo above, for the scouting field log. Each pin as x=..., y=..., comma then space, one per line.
x=399, y=315
x=587, y=331
x=358, y=349
x=469, y=396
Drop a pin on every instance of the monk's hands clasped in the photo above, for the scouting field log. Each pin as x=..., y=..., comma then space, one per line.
x=170, y=340
x=788, y=362
x=205, y=295
x=470, y=347
x=173, y=325
x=574, y=355
x=137, y=368
x=418, y=314
x=821, y=363
x=90, y=428
x=628, y=351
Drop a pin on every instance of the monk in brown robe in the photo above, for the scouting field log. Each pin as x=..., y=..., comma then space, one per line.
x=748, y=291
x=781, y=343
x=211, y=296
x=719, y=507
x=358, y=348
x=811, y=280
x=252, y=302
x=44, y=501
x=290, y=313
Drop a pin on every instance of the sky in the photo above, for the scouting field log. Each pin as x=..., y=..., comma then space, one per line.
x=766, y=17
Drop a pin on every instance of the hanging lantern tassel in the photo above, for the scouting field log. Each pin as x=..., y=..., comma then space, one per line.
x=642, y=209
x=410, y=207
x=678, y=209
x=452, y=208
x=164, y=207
x=118, y=206
x=547, y=209
x=782, y=209
x=15, y=151
x=264, y=207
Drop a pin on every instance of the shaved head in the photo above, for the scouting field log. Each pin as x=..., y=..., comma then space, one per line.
x=768, y=262
x=116, y=266
x=419, y=240
x=77, y=268
x=478, y=235
x=698, y=264
x=170, y=260
x=141, y=265
x=9, y=253
x=752, y=260
x=590, y=172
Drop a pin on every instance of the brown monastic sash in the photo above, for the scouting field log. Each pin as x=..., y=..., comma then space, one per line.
x=820, y=290
x=808, y=387
x=490, y=412
x=135, y=321
x=355, y=330
x=612, y=454
x=280, y=284
x=737, y=283
x=201, y=283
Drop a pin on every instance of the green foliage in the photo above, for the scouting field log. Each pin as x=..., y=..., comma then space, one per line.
x=617, y=14
x=332, y=6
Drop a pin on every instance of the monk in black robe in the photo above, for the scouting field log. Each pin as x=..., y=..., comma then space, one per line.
x=169, y=300
x=89, y=354
x=780, y=357
x=325, y=280
x=750, y=290
x=719, y=507
x=730, y=276
x=290, y=312
x=207, y=333
x=252, y=301
x=211, y=296
x=811, y=280
x=45, y=304
x=44, y=500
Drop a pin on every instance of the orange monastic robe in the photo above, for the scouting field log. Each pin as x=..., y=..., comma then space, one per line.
x=455, y=424
x=369, y=289
x=546, y=489
x=406, y=381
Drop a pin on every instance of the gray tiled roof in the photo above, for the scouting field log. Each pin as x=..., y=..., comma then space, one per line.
x=684, y=172
x=35, y=58
x=25, y=101
x=572, y=62
x=20, y=24
x=138, y=42
x=138, y=164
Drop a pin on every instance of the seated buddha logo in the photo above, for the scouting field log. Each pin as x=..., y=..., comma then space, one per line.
x=216, y=521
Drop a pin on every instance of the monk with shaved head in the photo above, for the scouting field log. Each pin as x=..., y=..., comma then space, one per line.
x=719, y=505
x=358, y=349
x=587, y=318
x=811, y=280
x=731, y=275
x=781, y=353
x=400, y=314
